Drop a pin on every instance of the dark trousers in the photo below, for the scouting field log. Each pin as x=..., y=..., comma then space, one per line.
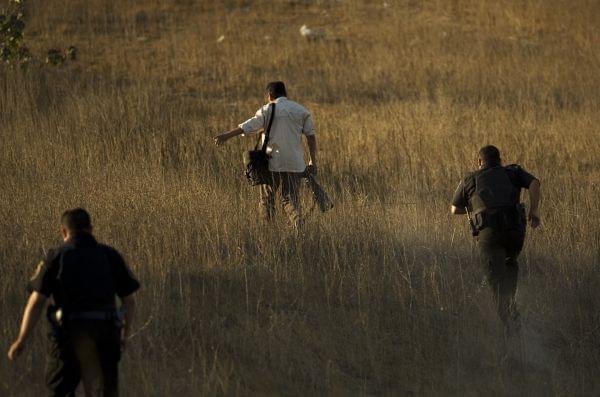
x=289, y=183
x=88, y=350
x=499, y=250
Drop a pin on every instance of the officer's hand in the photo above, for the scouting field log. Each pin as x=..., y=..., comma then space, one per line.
x=311, y=169
x=124, y=339
x=534, y=219
x=221, y=139
x=15, y=349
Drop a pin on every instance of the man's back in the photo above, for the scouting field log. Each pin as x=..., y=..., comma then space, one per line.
x=291, y=121
x=84, y=275
x=284, y=148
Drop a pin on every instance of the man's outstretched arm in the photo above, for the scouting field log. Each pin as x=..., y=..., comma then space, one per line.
x=252, y=125
x=31, y=315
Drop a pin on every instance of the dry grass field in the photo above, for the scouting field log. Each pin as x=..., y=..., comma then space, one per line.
x=381, y=296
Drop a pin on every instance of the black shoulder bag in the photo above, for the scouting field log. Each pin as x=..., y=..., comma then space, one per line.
x=257, y=161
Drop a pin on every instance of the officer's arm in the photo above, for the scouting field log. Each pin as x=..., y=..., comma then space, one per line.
x=459, y=201
x=129, y=313
x=31, y=315
x=457, y=210
x=534, y=203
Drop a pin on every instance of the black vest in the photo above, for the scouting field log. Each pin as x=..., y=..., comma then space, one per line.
x=85, y=280
x=493, y=190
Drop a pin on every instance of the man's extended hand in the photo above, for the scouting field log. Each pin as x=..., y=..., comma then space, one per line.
x=534, y=219
x=311, y=169
x=15, y=349
x=123, y=343
x=221, y=138
x=224, y=137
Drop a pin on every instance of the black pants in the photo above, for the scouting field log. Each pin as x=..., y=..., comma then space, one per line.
x=499, y=249
x=89, y=349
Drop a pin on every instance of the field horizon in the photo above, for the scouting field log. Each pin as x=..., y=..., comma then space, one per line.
x=381, y=296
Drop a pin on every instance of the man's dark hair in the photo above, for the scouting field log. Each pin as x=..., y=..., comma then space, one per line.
x=76, y=220
x=489, y=154
x=276, y=89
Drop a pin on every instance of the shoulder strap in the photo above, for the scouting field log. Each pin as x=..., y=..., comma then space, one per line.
x=267, y=131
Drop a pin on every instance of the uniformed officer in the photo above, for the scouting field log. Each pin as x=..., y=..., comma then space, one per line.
x=83, y=277
x=492, y=195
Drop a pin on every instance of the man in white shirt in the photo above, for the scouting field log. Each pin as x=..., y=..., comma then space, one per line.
x=285, y=149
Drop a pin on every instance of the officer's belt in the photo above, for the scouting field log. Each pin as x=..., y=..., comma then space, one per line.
x=98, y=315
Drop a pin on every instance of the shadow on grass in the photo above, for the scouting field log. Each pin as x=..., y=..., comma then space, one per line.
x=401, y=320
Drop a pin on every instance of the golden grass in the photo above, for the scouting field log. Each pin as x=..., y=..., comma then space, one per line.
x=380, y=296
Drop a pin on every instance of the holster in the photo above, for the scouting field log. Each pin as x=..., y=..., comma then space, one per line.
x=119, y=318
x=54, y=315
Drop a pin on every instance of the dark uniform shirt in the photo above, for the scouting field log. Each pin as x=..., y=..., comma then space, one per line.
x=84, y=275
x=520, y=178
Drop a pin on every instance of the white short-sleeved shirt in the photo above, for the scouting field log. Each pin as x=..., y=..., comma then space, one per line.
x=285, y=140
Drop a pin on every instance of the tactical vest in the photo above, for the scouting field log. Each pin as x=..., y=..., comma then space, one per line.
x=493, y=190
x=85, y=280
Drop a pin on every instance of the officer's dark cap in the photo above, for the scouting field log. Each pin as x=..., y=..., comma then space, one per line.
x=76, y=220
x=276, y=89
x=489, y=154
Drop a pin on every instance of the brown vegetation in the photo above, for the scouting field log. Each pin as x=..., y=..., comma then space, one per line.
x=380, y=296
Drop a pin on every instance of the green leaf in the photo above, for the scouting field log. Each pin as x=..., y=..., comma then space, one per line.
x=55, y=57
x=5, y=54
x=19, y=25
x=72, y=53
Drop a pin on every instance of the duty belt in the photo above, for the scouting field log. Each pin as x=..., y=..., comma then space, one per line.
x=98, y=315
x=504, y=218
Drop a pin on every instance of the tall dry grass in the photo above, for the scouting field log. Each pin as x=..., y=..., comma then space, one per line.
x=380, y=296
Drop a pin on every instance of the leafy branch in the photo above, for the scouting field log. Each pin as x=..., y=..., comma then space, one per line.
x=12, y=48
x=12, y=24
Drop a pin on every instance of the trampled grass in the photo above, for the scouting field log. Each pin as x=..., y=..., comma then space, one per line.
x=381, y=296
